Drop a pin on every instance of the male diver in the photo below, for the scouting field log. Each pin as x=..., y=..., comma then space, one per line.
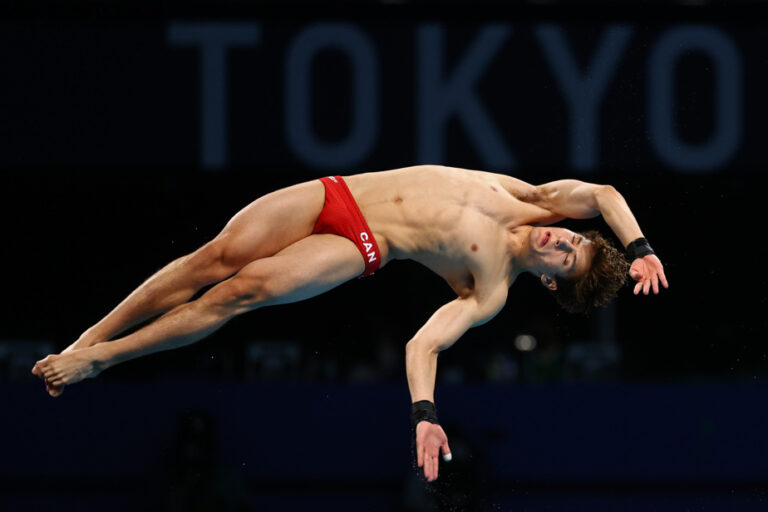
x=477, y=230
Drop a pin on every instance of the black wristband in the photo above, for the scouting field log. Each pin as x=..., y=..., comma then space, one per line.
x=423, y=410
x=638, y=248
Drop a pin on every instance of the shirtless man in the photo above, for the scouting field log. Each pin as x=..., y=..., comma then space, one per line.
x=477, y=230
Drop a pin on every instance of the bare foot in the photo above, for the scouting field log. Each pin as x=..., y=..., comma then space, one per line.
x=65, y=368
x=81, y=343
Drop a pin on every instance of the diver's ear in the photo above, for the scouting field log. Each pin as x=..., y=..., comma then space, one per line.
x=548, y=282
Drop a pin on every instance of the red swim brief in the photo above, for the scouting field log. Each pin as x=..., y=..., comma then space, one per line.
x=341, y=216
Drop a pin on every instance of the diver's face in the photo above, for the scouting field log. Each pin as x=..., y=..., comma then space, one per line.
x=559, y=252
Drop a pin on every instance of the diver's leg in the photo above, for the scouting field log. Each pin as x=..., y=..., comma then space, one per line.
x=261, y=229
x=306, y=268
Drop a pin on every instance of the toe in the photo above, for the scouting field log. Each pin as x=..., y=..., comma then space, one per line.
x=54, y=390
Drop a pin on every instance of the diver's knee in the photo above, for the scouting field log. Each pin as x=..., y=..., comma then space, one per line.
x=240, y=294
x=210, y=262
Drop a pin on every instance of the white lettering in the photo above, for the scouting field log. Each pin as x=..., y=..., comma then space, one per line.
x=364, y=236
x=368, y=246
x=584, y=91
x=442, y=97
x=663, y=121
x=214, y=39
x=360, y=53
x=371, y=257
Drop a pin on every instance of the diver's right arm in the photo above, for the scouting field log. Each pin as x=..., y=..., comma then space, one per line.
x=441, y=331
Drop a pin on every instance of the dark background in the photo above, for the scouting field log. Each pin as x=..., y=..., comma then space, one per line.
x=655, y=403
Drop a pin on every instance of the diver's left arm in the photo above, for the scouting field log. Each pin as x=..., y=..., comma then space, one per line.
x=580, y=200
x=577, y=199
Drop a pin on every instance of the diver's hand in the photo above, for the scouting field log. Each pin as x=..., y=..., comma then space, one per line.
x=648, y=272
x=430, y=439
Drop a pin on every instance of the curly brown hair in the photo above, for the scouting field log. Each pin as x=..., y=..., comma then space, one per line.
x=606, y=275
